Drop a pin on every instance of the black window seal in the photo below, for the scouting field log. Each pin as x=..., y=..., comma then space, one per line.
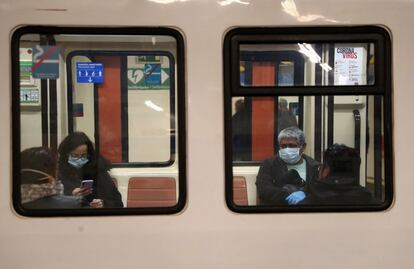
x=180, y=110
x=272, y=35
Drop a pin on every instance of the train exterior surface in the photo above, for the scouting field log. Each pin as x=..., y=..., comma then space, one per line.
x=189, y=95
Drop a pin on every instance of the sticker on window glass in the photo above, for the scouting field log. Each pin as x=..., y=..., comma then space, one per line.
x=350, y=65
x=146, y=72
x=29, y=96
x=45, y=62
x=90, y=73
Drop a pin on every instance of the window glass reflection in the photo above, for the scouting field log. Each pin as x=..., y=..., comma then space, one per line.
x=305, y=64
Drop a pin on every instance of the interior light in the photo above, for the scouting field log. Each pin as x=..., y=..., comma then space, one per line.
x=326, y=67
x=150, y=104
x=313, y=56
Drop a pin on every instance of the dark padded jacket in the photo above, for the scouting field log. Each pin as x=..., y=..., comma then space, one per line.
x=104, y=188
x=337, y=192
x=55, y=202
x=274, y=182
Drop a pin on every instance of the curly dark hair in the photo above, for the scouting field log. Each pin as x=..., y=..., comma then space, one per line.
x=342, y=161
x=37, y=158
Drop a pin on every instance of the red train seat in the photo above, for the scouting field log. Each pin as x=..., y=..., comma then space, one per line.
x=240, y=190
x=151, y=192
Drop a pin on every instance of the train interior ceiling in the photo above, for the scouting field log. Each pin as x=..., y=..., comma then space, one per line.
x=131, y=115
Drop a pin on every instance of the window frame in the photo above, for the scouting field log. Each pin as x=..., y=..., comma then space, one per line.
x=327, y=35
x=179, y=110
x=124, y=97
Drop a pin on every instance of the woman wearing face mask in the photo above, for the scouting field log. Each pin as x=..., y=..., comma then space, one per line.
x=39, y=187
x=78, y=161
x=283, y=179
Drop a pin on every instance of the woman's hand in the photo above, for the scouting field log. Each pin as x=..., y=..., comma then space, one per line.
x=96, y=203
x=81, y=191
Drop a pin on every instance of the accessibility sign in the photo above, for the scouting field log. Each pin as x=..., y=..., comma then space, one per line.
x=89, y=72
x=45, y=62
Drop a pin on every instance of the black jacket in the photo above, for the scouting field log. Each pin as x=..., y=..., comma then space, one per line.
x=337, y=192
x=103, y=188
x=274, y=182
x=55, y=202
x=241, y=135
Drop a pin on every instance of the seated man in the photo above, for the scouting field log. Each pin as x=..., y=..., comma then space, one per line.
x=282, y=179
x=338, y=181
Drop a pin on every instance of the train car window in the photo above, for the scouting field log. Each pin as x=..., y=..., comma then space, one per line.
x=98, y=121
x=308, y=119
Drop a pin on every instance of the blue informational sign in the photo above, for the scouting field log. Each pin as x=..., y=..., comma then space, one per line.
x=152, y=74
x=45, y=62
x=89, y=73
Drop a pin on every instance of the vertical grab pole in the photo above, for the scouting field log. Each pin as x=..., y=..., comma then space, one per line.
x=53, y=105
x=378, y=147
x=357, y=136
x=330, y=120
x=44, y=103
x=357, y=139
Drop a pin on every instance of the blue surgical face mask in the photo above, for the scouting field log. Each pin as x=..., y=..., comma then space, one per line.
x=77, y=162
x=290, y=155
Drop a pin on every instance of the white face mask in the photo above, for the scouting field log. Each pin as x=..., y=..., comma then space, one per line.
x=77, y=162
x=290, y=155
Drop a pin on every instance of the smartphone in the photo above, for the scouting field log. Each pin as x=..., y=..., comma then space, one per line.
x=86, y=184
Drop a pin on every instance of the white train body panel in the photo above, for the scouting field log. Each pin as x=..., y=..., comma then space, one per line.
x=206, y=233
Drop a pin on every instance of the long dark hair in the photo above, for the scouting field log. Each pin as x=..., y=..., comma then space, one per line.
x=71, y=142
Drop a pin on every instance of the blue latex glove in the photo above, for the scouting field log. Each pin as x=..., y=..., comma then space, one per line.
x=295, y=197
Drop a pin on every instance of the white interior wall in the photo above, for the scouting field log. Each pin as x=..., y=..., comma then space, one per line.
x=149, y=117
x=30, y=117
x=31, y=122
x=149, y=128
x=309, y=124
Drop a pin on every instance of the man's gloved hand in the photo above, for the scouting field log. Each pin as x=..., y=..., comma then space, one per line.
x=295, y=197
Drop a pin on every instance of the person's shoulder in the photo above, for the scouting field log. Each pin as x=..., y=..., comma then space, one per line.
x=55, y=202
x=104, y=163
x=271, y=160
x=274, y=163
x=311, y=161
